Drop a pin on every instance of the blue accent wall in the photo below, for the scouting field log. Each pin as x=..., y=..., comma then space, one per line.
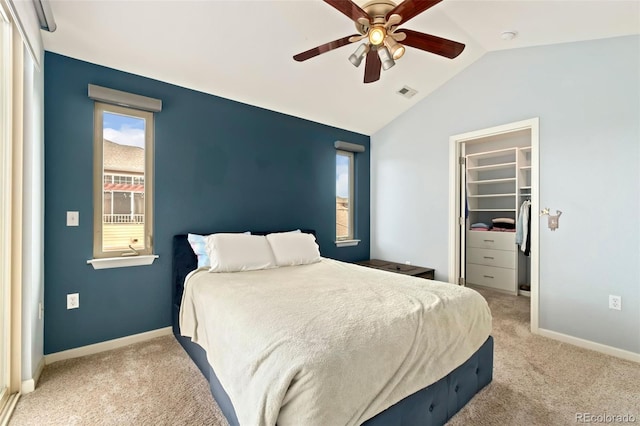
x=219, y=165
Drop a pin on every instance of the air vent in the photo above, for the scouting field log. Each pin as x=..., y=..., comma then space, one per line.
x=407, y=92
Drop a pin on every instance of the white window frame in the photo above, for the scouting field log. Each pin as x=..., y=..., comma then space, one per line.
x=98, y=178
x=350, y=238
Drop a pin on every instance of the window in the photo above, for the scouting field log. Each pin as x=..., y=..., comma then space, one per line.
x=344, y=195
x=123, y=176
x=345, y=192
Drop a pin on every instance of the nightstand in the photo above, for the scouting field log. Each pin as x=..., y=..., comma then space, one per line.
x=399, y=268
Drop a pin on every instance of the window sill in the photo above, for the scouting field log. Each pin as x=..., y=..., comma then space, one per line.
x=122, y=262
x=347, y=243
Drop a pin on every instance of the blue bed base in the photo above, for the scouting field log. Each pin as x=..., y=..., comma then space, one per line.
x=431, y=406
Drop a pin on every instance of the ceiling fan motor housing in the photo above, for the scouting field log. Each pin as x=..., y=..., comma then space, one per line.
x=377, y=10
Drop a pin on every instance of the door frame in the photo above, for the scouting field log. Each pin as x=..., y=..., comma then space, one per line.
x=11, y=210
x=457, y=238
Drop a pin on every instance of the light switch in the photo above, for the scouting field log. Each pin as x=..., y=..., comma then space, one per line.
x=73, y=218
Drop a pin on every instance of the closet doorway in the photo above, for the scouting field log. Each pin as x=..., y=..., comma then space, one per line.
x=494, y=178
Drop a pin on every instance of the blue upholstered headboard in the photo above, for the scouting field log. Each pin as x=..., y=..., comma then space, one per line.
x=185, y=260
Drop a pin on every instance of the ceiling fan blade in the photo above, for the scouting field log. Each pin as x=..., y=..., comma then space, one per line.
x=350, y=9
x=372, y=67
x=430, y=43
x=323, y=48
x=410, y=8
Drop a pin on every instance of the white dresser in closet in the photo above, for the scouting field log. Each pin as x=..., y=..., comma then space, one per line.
x=491, y=260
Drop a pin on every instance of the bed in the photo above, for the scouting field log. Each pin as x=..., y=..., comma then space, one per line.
x=420, y=390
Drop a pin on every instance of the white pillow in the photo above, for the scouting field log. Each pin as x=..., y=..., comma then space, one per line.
x=239, y=252
x=294, y=248
x=199, y=246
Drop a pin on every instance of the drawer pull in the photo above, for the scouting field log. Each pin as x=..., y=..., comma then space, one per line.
x=488, y=276
x=488, y=241
x=488, y=257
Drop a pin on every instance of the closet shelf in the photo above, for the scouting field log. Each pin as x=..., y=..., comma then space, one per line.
x=491, y=154
x=497, y=166
x=525, y=167
x=484, y=182
x=491, y=195
x=492, y=210
x=525, y=188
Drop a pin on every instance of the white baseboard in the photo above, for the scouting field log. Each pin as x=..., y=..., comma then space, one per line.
x=106, y=346
x=29, y=386
x=587, y=344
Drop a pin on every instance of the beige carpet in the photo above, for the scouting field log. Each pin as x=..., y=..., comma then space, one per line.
x=537, y=381
x=150, y=383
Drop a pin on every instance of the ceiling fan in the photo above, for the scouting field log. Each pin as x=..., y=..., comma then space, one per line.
x=377, y=22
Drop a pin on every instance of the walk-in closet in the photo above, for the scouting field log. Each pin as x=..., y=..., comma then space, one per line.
x=497, y=197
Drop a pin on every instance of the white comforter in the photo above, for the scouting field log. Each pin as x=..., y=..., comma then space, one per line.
x=330, y=343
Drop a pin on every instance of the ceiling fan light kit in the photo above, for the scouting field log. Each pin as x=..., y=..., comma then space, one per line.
x=377, y=22
x=357, y=56
x=385, y=57
x=377, y=34
x=395, y=48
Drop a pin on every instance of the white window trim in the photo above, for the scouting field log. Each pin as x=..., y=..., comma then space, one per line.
x=347, y=243
x=118, y=259
x=122, y=262
x=351, y=219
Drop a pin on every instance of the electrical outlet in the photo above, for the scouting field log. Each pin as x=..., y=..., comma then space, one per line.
x=615, y=302
x=73, y=301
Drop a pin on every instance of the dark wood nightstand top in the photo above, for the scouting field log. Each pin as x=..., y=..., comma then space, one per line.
x=399, y=268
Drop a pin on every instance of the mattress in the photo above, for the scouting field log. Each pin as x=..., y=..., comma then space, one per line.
x=331, y=342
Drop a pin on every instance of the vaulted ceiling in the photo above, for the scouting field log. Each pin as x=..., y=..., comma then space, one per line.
x=242, y=50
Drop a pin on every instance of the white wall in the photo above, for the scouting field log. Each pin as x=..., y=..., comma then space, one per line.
x=586, y=95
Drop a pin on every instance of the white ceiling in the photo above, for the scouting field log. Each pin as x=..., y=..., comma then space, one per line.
x=242, y=50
